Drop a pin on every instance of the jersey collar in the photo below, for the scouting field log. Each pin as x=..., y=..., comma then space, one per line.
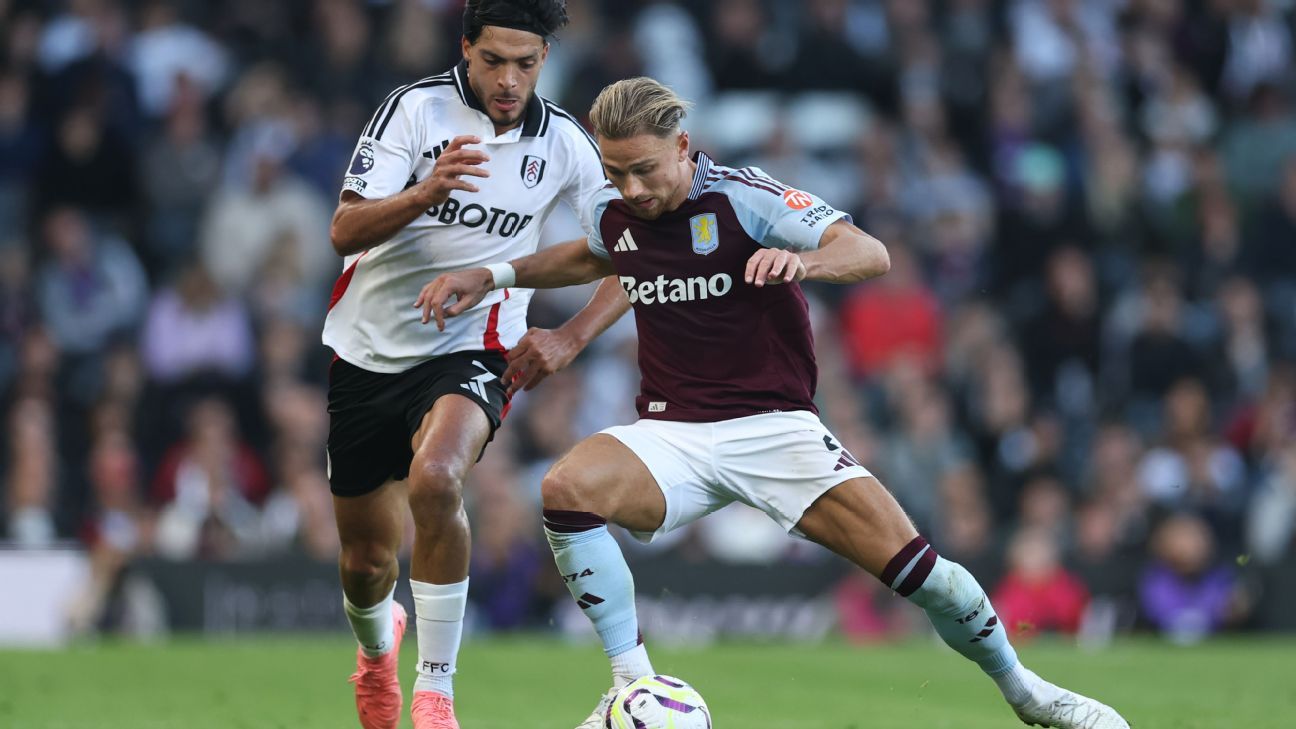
x=534, y=123
x=700, y=175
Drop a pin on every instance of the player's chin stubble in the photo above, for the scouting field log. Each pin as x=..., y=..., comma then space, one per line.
x=507, y=121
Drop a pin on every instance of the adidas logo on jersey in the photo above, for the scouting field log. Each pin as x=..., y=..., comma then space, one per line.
x=625, y=243
x=663, y=290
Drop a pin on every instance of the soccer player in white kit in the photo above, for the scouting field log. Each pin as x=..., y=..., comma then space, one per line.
x=710, y=257
x=456, y=170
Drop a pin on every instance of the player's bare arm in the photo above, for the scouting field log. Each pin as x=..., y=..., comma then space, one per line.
x=846, y=254
x=360, y=224
x=542, y=352
x=566, y=264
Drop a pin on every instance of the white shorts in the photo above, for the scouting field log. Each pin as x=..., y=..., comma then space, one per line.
x=779, y=463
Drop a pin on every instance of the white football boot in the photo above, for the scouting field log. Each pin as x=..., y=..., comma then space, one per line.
x=598, y=719
x=1053, y=706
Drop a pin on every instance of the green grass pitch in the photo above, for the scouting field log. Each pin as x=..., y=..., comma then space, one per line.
x=298, y=683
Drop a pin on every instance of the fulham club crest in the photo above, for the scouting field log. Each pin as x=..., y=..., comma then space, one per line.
x=533, y=168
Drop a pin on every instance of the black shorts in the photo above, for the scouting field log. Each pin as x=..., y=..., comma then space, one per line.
x=373, y=416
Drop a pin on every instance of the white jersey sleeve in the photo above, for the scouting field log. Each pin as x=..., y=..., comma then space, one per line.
x=594, y=209
x=585, y=178
x=386, y=154
x=775, y=215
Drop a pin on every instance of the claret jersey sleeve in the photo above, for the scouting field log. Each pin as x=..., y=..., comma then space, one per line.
x=775, y=215
x=385, y=157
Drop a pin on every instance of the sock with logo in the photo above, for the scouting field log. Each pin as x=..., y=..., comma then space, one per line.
x=439, y=610
x=960, y=611
x=373, y=626
x=595, y=572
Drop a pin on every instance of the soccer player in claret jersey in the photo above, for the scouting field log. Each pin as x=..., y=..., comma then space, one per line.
x=456, y=170
x=710, y=257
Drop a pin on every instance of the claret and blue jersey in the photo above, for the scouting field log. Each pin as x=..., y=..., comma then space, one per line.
x=711, y=346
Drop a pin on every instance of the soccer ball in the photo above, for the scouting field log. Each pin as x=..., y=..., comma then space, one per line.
x=658, y=702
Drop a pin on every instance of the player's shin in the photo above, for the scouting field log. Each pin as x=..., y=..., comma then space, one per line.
x=440, y=611
x=961, y=613
x=595, y=571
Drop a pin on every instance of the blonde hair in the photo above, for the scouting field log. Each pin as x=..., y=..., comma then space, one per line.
x=637, y=106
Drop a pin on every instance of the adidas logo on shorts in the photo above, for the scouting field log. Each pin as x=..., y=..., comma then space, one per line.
x=477, y=385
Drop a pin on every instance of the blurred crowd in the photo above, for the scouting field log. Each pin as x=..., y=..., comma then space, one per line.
x=1079, y=377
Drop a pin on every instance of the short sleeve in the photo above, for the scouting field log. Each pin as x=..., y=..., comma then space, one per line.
x=385, y=156
x=775, y=215
x=595, y=207
x=586, y=178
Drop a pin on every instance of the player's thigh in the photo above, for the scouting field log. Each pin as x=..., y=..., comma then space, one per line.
x=790, y=466
x=450, y=438
x=680, y=459
x=366, y=445
x=860, y=520
x=604, y=476
x=455, y=404
x=370, y=524
x=781, y=462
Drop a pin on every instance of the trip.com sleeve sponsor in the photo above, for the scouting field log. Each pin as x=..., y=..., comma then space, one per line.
x=778, y=216
x=382, y=162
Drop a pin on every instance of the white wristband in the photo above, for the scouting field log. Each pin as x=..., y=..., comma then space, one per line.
x=502, y=274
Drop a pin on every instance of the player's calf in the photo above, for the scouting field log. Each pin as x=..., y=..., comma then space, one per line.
x=598, y=481
x=595, y=572
x=954, y=602
x=961, y=612
x=451, y=436
x=963, y=616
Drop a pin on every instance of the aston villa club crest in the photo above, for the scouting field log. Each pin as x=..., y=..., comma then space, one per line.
x=363, y=160
x=533, y=168
x=706, y=233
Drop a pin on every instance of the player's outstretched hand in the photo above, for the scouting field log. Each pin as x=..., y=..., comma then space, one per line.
x=771, y=266
x=469, y=286
x=541, y=353
x=451, y=166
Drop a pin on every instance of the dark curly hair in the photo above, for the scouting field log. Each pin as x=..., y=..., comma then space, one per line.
x=542, y=17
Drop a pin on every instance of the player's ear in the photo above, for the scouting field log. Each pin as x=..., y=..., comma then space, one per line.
x=683, y=145
x=465, y=44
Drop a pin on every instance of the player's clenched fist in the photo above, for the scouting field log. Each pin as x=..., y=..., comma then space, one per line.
x=454, y=163
x=774, y=266
x=469, y=286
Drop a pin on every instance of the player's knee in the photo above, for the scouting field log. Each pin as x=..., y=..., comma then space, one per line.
x=435, y=489
x=367, y=561
x=563, y=490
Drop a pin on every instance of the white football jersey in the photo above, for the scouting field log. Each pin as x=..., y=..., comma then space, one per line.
x=372, y=322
